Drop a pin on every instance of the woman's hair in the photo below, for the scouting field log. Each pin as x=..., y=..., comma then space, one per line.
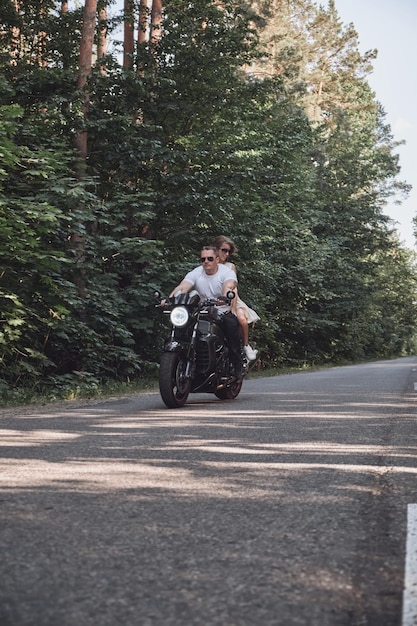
x=221, y=240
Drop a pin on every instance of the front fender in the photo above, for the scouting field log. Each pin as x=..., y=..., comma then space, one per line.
x=172, y=345
x=184, y=350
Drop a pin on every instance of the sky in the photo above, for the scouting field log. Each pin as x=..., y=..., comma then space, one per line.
x=390, y=26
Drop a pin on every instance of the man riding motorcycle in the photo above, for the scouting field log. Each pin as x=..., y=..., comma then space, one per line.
x=212, y=280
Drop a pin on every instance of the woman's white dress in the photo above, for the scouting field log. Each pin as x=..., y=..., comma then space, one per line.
x=250, y=314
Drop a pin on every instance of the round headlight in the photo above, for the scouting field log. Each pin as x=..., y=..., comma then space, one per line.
x=179, y=316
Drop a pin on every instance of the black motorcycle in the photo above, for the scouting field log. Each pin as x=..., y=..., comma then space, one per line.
x=195, y=358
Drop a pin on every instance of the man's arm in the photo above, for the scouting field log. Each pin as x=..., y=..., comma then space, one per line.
x=183, y=287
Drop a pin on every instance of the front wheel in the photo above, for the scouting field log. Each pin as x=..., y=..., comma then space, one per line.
x=229, y=393
x=174, y=387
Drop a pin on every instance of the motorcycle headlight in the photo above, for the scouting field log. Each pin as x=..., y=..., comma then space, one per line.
x=179, y=316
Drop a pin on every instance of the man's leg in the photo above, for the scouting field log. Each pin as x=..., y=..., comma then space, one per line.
x=232, y=332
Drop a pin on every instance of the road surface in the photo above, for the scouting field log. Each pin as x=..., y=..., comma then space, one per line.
x=284, y=507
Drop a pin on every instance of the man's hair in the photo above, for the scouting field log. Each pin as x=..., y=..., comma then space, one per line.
x=213, y=248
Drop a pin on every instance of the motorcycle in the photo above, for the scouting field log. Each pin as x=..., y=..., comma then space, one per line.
x=195, y=357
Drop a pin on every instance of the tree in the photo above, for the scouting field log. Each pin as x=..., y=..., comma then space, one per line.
x=114, y=173
x=356, y=166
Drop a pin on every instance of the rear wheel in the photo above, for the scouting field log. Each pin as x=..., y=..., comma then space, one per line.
x=231, y=392
x=173, y=386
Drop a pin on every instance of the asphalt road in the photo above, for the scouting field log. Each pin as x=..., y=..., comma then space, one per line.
x=284, y=507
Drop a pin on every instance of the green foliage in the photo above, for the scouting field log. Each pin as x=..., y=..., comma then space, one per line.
x=207, y=134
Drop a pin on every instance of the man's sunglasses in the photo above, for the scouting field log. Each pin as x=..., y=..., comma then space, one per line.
x=226, y=250
x=206, y=258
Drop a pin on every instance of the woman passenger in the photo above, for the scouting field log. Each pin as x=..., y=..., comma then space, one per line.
x=226, y=247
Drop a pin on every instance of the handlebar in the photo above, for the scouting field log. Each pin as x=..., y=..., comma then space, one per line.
x=164, y=301
x=227, y=299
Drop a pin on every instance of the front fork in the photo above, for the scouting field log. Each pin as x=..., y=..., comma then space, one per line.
x=188, y=348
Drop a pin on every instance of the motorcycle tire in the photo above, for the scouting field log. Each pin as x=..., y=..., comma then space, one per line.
x=173, y=386
x=229, y=393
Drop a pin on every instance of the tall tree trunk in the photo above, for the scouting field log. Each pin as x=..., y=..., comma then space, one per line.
x=84, y=69
x=102, y=36
x=14, y=51
x=143, y=21
x=143, y=33
x=129, y=41
x=80, y=140
x=156, y=22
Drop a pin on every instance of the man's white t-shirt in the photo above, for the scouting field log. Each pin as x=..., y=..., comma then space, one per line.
x=210, y=286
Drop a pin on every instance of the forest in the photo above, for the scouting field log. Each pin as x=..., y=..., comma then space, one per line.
x=133, y=133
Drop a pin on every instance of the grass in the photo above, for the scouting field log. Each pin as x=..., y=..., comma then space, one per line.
x=95, y=391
